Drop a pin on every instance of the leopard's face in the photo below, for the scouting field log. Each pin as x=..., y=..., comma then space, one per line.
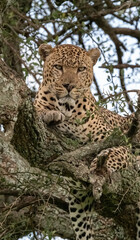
x=68, y=72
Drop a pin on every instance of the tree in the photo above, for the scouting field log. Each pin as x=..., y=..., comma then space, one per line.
x=34, y=158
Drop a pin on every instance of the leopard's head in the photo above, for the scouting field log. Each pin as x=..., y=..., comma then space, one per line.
x=68, y=69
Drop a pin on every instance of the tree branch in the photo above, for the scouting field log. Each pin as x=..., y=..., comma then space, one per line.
x=120, y=66
x=128, y=31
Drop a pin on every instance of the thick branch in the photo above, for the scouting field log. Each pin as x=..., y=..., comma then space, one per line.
x=128, y=31
x=13, y=91
x=26, y=192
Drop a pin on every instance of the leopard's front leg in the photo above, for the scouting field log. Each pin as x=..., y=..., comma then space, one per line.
x=46, y=105
x=107, y=162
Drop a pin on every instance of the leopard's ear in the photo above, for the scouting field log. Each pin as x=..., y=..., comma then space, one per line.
x=94, y=53
x=45, y=50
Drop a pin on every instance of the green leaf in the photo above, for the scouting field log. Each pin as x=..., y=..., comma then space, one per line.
x=111, y=68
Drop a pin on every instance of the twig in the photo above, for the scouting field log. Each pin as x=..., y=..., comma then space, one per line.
x=21, y=60
x=121, y=200
x=117, y=94
x=120, y=66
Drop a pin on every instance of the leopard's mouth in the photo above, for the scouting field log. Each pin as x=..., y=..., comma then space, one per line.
x=63, y=93
x=67, y=97
x=64, y=96
x=67, y=100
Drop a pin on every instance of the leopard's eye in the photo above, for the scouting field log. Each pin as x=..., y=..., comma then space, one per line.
x=59, y=67
x=81, y=69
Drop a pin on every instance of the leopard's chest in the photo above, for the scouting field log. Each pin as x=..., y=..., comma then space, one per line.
x=73, y=125
x=66, y=106
x=82, y=121
x=73, y=130
x=84, y=129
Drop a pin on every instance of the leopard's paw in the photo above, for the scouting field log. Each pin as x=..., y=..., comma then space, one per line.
x=52, y=116
x=99, y=173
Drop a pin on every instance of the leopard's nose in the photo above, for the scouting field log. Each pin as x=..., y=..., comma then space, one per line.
x=66, y=86
x=69, y=87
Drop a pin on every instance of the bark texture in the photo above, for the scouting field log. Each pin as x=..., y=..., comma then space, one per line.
x=33, y=160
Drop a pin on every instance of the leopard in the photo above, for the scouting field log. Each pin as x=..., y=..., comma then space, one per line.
x=65, y=100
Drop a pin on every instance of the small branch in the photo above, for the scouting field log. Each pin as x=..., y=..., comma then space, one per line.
x=135, y=126
x=120, y=66
x=29, y=20
x=125, y=5
x=21, y=60
x=122, y=79
x=121, y=18
x=117, y=94
x=98, y=89
x=34, y=198
x=121, y=200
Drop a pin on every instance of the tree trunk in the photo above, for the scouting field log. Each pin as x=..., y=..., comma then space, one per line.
x=33, y=162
